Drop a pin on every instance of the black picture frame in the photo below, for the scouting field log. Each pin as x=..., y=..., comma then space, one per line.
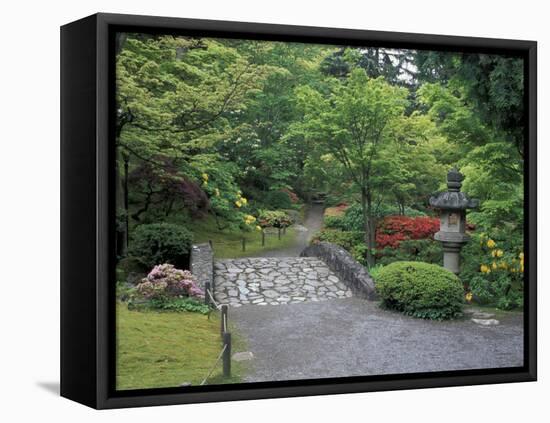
x=87, y=211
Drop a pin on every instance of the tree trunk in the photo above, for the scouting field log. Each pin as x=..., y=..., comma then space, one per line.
x=401, y=206
x=371, y=244
x=170, y=206
x=122, y=203
x=148, y=200
x=126, y=158
x=369, y=226
x=218, y=224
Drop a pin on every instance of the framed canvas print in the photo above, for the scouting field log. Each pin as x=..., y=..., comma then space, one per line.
x=254, y=211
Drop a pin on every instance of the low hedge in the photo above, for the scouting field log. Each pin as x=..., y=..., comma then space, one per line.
x=421, y=290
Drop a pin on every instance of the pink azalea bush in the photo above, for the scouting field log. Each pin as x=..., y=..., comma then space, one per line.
x=165, y=281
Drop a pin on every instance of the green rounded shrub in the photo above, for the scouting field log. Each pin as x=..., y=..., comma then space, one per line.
x=421, y=290
x=278, y=200
x=158, y=243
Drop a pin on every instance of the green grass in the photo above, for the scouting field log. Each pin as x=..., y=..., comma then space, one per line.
x=228, y=243
x=166, y=349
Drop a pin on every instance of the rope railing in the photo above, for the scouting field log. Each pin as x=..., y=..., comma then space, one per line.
x=225, y=353
x=212, y=300
x=209, y=299
x=220, y=355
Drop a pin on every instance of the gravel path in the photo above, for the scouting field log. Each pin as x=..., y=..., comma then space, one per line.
x=347, y=337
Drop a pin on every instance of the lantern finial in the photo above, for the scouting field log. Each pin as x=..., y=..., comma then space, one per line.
x=454, y=180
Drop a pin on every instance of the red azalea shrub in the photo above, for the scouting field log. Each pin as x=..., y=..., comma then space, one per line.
x=393, y=229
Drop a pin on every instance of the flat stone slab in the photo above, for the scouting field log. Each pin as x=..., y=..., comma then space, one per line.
x=276, y=280
x=243, y=356
x=486, y=322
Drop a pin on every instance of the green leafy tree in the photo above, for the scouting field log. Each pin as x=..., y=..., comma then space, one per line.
x=492, y=164
x=353, y=123
x=176, y=98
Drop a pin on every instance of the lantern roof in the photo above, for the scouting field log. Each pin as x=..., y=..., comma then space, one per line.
x=453, y=199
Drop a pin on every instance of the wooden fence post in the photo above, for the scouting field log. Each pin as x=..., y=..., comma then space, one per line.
x=223, y=323
x=244, y=243
x=206, y=295
x=279, y=233
x=227, y=354
x=263, y=238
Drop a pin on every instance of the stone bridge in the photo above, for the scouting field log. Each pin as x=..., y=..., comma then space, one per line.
x=324, y=271
x=276, y=280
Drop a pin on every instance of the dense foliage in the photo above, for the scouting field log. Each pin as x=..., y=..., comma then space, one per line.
x=278, y=199
x=237, y=131
x=493, y=268
x=161, y=243
x=345, y=239
x=421, y=290
x=427, y=250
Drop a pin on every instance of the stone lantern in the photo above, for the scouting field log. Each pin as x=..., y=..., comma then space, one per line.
x=452, y=232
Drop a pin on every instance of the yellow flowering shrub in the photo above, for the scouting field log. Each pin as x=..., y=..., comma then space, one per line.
x=249, y=219
x=497, y=253
x=492, y=269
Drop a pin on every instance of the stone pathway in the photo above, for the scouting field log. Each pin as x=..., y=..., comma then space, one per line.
x=276, y=280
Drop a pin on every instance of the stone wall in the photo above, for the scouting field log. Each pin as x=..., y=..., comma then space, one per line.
x=202, y=263
x=345, y=266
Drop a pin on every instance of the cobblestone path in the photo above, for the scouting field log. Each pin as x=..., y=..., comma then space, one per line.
x=275, y=280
